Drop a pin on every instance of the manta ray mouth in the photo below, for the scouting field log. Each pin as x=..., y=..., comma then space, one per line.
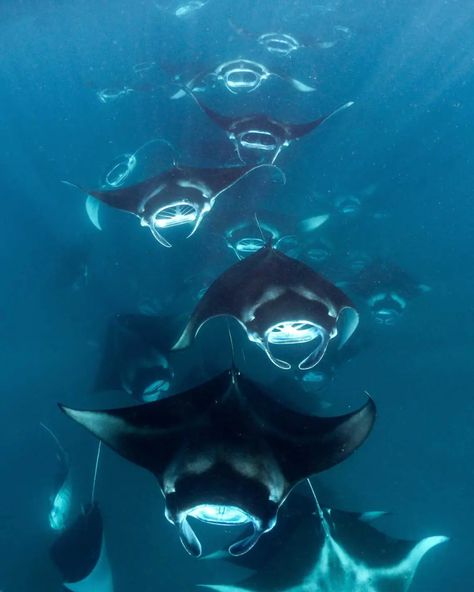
x=258, y=140
x=290, y=332
x=217, y=514
x=279, y=44
x=242, y=80
x=174, y=215
x=297, y=333
x=247, y=246
x=348, y=204
x=120, y=170
x=107, y=95
x=220, y=515
x=154, y=390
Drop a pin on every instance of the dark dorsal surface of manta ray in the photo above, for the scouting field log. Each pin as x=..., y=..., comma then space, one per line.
x=279, y=301
x=261, y=132
x=61, y=498
x=178, y=196
x=80, y=554
x=339, y=550
x=238, y=76
x=136, y=356
x=225, y=452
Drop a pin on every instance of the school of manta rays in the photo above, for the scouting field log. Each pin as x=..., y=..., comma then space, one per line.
x=227, y=452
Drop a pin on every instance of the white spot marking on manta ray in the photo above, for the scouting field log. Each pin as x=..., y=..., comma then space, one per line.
x=270, y=294
x=310, y=295
x=201, y=187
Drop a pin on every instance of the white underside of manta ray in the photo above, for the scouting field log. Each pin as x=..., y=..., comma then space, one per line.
x=336, y=571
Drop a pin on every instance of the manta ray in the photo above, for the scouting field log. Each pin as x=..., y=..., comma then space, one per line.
x=278, y=301
x=329, y=550
x=80, y=554
x=136, y=356
x=225, y=452
x=59, y=513
x=283, y=44
x=238, y=76
x=261, y=132
x=387, y=289
x=180, y=195
x=283, y=230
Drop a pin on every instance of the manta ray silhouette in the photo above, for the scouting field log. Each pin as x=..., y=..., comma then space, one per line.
x=80, y=555
x=181, y=195
x=261, y=132
x=279, y=301
x=136, y=356
x=337, y=550
x=61, y=498
x=239, y=76
x=225, y=452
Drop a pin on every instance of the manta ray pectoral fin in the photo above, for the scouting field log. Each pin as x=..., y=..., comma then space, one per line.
x=296, y=130
x=179, y=94
x=250, y=170
x=297, y=84
x=92, y=209
x=310, y=224
x=406, y=568
x=121, y=431
x=373, y=515
x=189, y=540
x=347, y=324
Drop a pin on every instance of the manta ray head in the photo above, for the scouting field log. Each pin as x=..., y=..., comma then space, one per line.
x=286, y=320
x=221, y=495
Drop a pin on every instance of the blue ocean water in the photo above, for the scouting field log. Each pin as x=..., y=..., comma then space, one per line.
x=404, y=150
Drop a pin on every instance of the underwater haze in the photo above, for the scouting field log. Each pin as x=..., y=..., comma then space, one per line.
x=378, y=199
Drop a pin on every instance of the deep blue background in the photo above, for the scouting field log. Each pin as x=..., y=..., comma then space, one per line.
x=409, y=68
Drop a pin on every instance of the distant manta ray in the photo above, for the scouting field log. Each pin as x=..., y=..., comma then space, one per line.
x=136, y=356
x=335, y=551
x=282, y=44
x=261, y=132
x=225, y=452
x=278, y=301
x=181, y=195
x=238, y=76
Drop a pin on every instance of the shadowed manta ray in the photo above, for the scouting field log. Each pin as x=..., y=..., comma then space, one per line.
x=261, y=132
x=225, y=452
x=336, y=551
x=181, y=195
x=279, y=301
x=238, y=76
x=61, y=499
x=80, y=554
x=136, y=356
